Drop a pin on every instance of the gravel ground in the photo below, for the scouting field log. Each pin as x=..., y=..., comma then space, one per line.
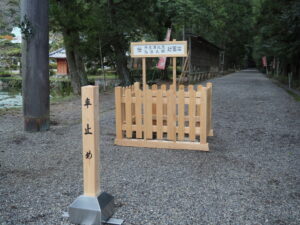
x=250, y=176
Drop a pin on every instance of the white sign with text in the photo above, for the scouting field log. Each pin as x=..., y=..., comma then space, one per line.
x=158, y=49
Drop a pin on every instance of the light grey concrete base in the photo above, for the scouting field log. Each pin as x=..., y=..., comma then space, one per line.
x=87, y=210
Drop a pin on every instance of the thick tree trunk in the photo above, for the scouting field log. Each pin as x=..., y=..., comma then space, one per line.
x=76, y=66
x=121, y=65
x=118, y=48
x=35, y=64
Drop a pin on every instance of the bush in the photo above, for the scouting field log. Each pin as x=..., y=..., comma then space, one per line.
x=5, y=74
x=51, y=72
x=52, y=66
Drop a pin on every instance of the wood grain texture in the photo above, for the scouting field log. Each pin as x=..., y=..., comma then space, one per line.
x=90, y=140
x=128, y=112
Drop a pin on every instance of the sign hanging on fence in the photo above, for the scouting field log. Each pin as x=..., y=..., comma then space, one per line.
x=159, y=49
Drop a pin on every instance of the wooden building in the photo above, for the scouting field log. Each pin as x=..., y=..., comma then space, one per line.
x=204, y=56
x=61, y=60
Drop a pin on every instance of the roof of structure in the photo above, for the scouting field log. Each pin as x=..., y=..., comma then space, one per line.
x=201, y=39
x=58, y=54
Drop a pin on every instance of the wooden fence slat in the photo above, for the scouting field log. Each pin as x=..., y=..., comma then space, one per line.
x=123, y=105
x=154, y=90
x=192, y=111
x=154, y=87
x=209, y=112
x=203, y=116
x=171, y=112
x=181, y=117
x=128, y=112
x=198, y=104
x=164, y=89
x=165, y=129
x=118, y=99
x=138, y=110
x=159, y=118
x=148, y=114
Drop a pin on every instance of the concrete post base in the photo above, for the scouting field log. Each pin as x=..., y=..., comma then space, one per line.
x=87, y=210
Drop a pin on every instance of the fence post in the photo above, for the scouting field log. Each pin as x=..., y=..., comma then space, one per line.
x=171, y=113
x=181, y=118
x=128, y=112
x=203, y=116
x=138, y=109
x=209, y=109
x=118, y=102
x=148, y=113
x=192, y=112
x=159, y=115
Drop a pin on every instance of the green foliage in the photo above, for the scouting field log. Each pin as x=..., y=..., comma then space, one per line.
x=5, y=73
x=243, y=28
x=278, y=34
x=10, y=54
x=295, y=96
x=9, y=49
x=9, y=15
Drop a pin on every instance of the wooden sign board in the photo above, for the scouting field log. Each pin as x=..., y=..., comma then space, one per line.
x=159, y=49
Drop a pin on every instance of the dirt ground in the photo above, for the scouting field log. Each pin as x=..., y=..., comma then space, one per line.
x=250, y=176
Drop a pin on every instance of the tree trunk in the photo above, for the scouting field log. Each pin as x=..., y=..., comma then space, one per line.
x=35, y=64
x=118, y=42
x=121, y=65
x=76, y=66
x=164, y=73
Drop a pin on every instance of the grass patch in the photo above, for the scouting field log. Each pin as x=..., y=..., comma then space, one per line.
x=58, y=99
x=107, y=76
x=294, y=95
x=53, y=79
x=4, y=111
x=11, y=78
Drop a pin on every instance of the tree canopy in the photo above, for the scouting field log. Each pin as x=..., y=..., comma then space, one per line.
x=247, y=30
x=277, y=34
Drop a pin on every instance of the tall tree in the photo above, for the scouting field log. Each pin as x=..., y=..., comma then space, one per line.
x=278, y=34
x=67, y=17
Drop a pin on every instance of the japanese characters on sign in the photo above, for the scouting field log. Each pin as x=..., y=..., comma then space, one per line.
x=87, y=102
x=158, y=49
x=87, y=130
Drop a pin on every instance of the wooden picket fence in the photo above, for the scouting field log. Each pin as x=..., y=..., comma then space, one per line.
x=164, y=118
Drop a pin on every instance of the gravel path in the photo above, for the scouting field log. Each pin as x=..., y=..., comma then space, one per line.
x=251, y=176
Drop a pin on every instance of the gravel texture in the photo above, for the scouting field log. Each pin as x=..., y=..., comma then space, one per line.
x=250, y=176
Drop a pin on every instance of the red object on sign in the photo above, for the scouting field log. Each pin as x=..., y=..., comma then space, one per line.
x=162, y=60
x=264, y=61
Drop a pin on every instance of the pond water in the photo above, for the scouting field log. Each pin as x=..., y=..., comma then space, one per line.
x=10, y=98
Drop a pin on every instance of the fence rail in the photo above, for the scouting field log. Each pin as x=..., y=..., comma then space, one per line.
x=164, y=117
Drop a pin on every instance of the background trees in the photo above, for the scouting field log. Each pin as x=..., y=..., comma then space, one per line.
x=245, y=29
x=277, y=35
